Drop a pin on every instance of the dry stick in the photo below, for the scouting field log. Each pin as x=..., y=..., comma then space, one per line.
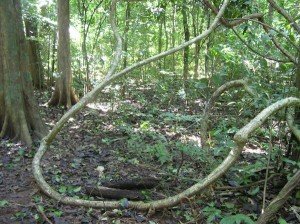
x=209, y=105
x=46, y=219
x=267, y=170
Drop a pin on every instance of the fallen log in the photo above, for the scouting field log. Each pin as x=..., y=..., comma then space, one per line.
x=136, y=183
x=112, y=193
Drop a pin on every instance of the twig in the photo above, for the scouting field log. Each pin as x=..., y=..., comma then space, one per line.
x=267, y=170
x=43, y=214
x=180, y=165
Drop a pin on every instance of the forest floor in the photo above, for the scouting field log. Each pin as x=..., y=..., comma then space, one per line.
x=129, y=139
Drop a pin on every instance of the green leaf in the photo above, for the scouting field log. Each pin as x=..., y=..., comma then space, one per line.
x=229, y=205
x=145, y=125
x=21, y=152
x=62, y=189
x=298, y=194
x=124, y=202
x=58, y=213
x=282, y=221
x=254, y=191
x=41, y=208
x=77, y=189
x=237, y=219
x=3, y=203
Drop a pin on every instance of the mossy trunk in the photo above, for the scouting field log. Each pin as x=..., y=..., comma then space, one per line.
x=19, y=116
x=63, y=94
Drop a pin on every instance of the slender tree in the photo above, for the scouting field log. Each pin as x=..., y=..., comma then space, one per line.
x=63, y=94
x=125, y=45
x=186, y=38
x=19, y=115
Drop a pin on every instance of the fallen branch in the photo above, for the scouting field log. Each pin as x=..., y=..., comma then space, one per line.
x=136, y=183
x=112, y=193
x=42, y=213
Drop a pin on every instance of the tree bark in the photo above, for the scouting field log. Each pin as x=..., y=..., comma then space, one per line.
x=63, y=94
x=53, y=59
x=197, y=30
x=295, y=150
x=206, y=57
x=125, y=47
x=174, y=13
x=18, y=110
x=186, y=38
x=35, y=61
x=113, y=193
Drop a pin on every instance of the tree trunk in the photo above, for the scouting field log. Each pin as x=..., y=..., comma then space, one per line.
x=160, y=35
x=53, y=59
x=83, y=7
x=125, y=47
x=63, y=94
x=18, y=111
x=174, y=13
x=166, y=34
x=295, y=150
x=186, y=38
x=197, y=30
x=35, y=61
x=206, y=57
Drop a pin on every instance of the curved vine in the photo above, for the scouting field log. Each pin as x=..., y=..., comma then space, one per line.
x=210, y=103
x=240, y=138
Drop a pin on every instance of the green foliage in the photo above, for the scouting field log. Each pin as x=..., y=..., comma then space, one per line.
x=69, y=189
x=282, y=221
x=213, y=214
x=237, y=219
x=160, y=151
x=3, y=203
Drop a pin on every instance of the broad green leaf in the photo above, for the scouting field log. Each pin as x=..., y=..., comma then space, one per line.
x=237, y=219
